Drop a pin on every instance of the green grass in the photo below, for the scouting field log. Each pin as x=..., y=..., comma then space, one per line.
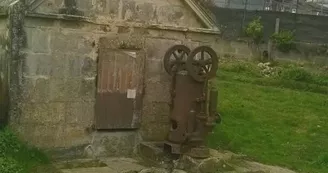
x=18, y=157
x=280, y=120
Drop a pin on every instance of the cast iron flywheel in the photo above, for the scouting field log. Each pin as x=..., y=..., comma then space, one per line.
x=202, y=63
x=175, y=59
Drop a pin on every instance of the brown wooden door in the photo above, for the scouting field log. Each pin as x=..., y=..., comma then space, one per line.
x=119, y=89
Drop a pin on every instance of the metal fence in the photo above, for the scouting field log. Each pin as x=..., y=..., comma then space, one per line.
x=308, y=23
x=310, y=7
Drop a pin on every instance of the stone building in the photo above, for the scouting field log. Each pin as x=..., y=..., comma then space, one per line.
x=85, y=77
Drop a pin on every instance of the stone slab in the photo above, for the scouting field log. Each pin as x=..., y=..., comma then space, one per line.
x=123, y=164
x=90, y=170
x=109, y=165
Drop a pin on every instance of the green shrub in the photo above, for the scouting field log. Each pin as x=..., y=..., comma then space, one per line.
x=321, y=79
x=13, y=151
x=254, y=30
x=246, y=68
x=296, y=74
x=8, y=143
x=284, y=40
x=10, y=165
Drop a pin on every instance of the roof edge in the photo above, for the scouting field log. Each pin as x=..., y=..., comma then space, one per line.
x=202, y=14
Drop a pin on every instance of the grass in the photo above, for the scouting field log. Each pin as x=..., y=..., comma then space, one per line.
x=18, y=157
x=279, y=120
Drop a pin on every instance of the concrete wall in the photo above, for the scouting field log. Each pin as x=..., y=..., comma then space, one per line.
x=3, y=70
x=168, y=12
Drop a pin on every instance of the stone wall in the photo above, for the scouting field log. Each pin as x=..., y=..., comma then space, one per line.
x=58, y=82
x=3, y=70
x=168, y=12
x=58, y=90
x=54, y=69
x=59, y=79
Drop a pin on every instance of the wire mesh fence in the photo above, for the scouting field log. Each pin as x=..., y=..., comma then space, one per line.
x=307, y=18
x=311, y=7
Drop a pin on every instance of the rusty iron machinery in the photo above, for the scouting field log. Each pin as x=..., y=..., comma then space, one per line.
x=175, y=58
x=202, y=63
x=193, y=101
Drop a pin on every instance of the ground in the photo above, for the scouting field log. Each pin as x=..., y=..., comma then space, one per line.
x=271, y=113
x=279, y=119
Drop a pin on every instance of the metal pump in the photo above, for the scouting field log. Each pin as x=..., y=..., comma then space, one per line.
x=193, y=106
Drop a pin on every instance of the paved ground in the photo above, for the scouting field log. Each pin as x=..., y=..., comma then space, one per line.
x=114, y=165
x=219, y=162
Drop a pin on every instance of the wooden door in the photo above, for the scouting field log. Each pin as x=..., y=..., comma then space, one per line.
x=119, y=89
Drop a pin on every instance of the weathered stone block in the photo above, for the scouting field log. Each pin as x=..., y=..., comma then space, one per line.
x=201, y=37
x=155, y=112
x=187, y=163
x=71, y=24
x=88, y=89
x=158, y=92
x=72, y=135
x=154, y=70
x=89, y=67
x=170, y=15
x=178, y=171
x=85, y=5
x=154, y=170
x=74, y=66
x=3, y=24
x=152, y=151
x=145, y=12
x=156, y=48
x=129, y=10
x=81, y=113
x=59, y=65
x=167, y=34
x=39, y=135
x=191, y=44
x=36, y=90
x=71, y=42
x=154, y=131
x=121, y=41
x=64, y=90
x=50, y=6
x=211, y=165
x=38, y=64
x=214, y=165
x=31, y=22
x=42, y=113
x=114, y=144
x=38, y=40
x=113, y=7
x=86, y=45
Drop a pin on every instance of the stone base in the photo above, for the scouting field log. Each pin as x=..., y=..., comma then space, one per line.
x=200, y=153
x=154, y=160
x=101, y=145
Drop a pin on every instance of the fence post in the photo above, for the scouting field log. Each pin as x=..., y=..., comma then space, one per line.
x=276, y=30
x=244, y=16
